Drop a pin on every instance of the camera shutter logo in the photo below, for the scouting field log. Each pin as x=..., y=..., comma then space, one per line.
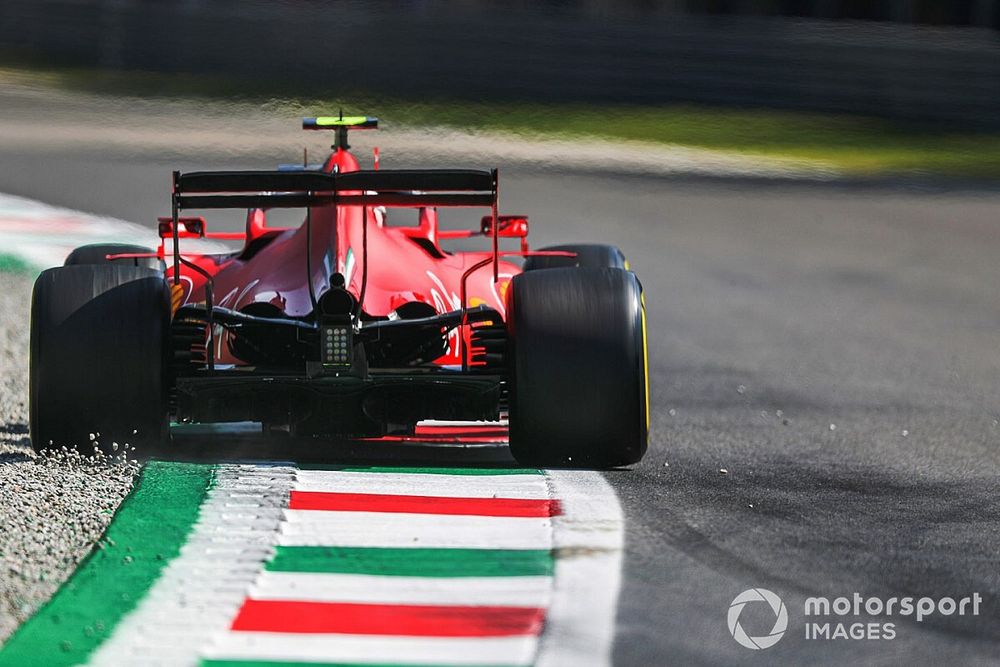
x=780, y=620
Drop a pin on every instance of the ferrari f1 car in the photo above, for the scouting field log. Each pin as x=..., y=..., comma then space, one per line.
x=346, y=326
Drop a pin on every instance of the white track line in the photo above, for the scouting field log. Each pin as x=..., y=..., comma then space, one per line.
x=200, y=591
x=522, y=487
x=377, y=529
x=375, y=649
x=589, y=539
x=528, y=591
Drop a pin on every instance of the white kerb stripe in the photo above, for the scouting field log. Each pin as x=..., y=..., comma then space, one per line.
x=374, y=649
x=530, y=591
x=200, y=591
x=423, y=484
x=376, y=529
x=589, y=538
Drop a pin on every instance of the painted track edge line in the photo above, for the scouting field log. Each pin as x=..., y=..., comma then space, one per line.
x=588, y=539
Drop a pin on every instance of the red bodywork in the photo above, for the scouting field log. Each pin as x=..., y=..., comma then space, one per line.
x=405, y=264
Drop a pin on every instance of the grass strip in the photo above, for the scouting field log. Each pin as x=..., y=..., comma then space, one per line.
x=856, y=144
x=149, y=529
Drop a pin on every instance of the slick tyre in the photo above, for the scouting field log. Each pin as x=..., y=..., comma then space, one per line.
x=98, y=254
x=578, y=386
x=98, y=365
x=588, y=256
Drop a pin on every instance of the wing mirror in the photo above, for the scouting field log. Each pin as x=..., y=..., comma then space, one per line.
x=508, y=226
x=193, y=227
x=187, y=228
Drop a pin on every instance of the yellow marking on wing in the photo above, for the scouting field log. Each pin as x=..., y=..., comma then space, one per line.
x=346, y=121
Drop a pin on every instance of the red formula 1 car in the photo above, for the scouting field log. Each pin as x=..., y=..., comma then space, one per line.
x=344, y=326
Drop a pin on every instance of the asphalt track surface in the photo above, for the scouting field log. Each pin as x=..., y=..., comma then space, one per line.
x=833, y=348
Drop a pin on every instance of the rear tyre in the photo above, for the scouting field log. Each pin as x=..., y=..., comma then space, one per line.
x=578, y=394
x=588, y=256
x=98, y=254
x=99, y=346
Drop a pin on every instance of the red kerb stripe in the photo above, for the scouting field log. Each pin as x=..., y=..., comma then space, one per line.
x=464, y=433
x=460, y=437
x=373, y=502
x=383, y=619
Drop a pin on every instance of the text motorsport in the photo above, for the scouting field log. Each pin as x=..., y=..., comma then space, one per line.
x=876, y=606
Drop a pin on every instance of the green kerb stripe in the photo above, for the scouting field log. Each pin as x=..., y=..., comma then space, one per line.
x=428, y=471
x=148, y=531
x=413, y=562
x=273, y=663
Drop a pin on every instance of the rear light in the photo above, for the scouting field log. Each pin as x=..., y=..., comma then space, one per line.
x=508, y=226
x=336, y=345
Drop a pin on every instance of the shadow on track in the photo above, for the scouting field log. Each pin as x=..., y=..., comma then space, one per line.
x=246, y=442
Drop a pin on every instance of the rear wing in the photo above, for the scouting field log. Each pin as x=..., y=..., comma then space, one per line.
x=307, y=189
x=284, y=189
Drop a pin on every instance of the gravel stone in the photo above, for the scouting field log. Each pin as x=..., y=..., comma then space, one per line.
x=53, y=508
